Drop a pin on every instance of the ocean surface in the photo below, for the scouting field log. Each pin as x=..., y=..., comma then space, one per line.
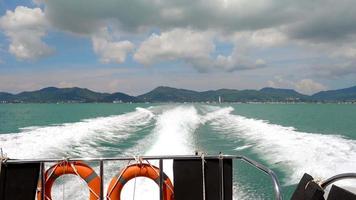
x=291, y=139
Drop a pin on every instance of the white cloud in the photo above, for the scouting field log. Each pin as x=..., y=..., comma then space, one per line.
x=326, y=27
x=25, y=28
x=317, y=20
x=239, y=59
x=308, y=86
x=304, y=86
x=280, y=82
x=193, y=47
x=175, y=44
x=269, y=37
x=201, y=14
x=109, y=50
x=346, y=51
x=337, y=70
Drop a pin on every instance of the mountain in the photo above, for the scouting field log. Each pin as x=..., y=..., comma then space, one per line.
x=75, y=94
x=346, y=94
x=4, y=96
x=118, y=96
x=279, y=91
x=53, y=94
x=169, y=94
x=284, y=93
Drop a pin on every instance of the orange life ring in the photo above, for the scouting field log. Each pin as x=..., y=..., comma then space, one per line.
x=77, y=168
x=138, y=170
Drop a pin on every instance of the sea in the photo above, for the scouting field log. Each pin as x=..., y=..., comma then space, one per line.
x=290, y=139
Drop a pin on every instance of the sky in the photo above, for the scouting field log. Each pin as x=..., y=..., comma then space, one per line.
x=133, y=46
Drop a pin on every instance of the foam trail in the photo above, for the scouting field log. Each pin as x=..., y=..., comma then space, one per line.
x=172, y=135
x=243, y=147
x=82, y=139
x=174, y=131
x=297, y=152
x=75, y=139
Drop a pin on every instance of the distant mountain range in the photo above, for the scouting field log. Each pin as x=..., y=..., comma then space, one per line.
x=169, y=94
x=75, y=94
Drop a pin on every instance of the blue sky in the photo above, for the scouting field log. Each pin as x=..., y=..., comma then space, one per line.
x=133, y=46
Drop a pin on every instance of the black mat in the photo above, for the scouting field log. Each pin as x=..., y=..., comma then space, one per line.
x=308, y=190
x=188, y=179
x=19, y=181
x=337, y=193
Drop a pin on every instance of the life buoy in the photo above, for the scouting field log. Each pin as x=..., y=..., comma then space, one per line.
x=77, y=168
x=138, y=170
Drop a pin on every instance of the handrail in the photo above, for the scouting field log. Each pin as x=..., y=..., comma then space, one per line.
x=276, y=184
x=338, y=177
x=259, y=166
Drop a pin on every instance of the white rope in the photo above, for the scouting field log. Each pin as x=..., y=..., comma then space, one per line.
x=50, y=175
x=138, y=161
x=117, y=180
x=134, y=192
x=203, y=171
x=45, y=181
x=169, y=187
x=76, y=172
x=3, y=158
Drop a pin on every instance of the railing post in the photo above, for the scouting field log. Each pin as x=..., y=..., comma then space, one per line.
x=101, y=180
x=221, y=171
x=43, y=180
x=161, y=179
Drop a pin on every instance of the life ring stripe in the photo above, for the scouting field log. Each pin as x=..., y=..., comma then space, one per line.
x=157, y=180
x=54, y=176
x=91, y=177
x=122, y=180
x=165, y=177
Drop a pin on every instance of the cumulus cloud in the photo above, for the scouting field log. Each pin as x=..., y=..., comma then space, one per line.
x=326, y=22
x=195, y=48
x=189, y=45
x=25, y=28
x=200, y=14
x=304, y=86
x=321, y=25
x=109, y=50
x=269, y=37
x=337, y=70
x=308, y=86
x=318, y=19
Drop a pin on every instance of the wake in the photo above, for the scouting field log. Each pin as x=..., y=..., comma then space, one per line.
x=82, y=138
x=174, y=133
x=295, y=152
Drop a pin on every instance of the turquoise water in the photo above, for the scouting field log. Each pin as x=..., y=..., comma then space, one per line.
x=289, y=138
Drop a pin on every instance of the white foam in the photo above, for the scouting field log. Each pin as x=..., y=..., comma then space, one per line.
x=73, y=139
x=80, y=139
x=172, y=135
x=240, y=148
x=296, y=152
x=174, y=131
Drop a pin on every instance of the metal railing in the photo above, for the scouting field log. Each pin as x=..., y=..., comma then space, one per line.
x=273, y=176
x=338, y=177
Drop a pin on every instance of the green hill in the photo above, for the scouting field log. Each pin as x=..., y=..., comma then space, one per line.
x=346, y=94
x=54, y=95
x=169, y=94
